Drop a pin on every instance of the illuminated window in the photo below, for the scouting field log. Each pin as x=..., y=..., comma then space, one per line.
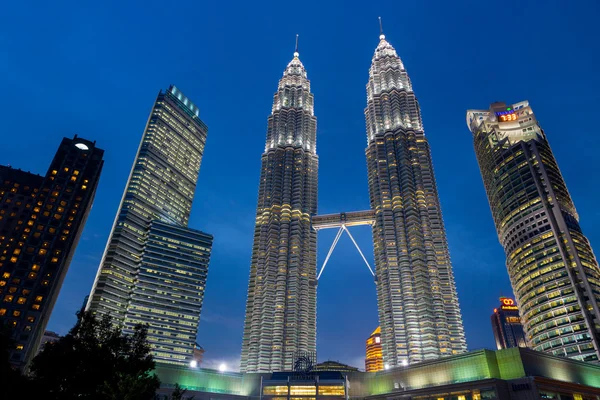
x=76, y=172
x=54, y=259
x=35, y=267
x=16, y=313
x=30, y=319
x=35, y=307
x=331, y=390
x=19, y=347
x=25, y=292
x=6, y=275
x=83, y=187
x=22, y=300
x=275, y=390
x=54, y=172
x=8, y=298
x=2, y=312
x=38, y=299
x=32, y=275
x=303, y=390
x=17, y=252
x=66, y=169
x=2, y=283
x=45, y=283
x=12, y=290
x=42, y=252
x=13, y=259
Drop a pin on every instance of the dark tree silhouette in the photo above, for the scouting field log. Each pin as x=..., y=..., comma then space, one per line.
x=95, y=361
x=11, y=380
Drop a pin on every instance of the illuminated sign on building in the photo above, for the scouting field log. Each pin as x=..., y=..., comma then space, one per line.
x=506, y=115
x=508, y=304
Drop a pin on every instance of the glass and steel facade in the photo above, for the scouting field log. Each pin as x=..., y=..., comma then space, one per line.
x=139, y=265
x=553, y=271
x=170, y=289
x=281, y=304
x=419, y=313
x=506, y=325
x=41, y=220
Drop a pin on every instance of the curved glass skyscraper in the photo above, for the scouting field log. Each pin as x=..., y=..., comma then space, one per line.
x=553, y=271
x=281, y=305
x=418, y=306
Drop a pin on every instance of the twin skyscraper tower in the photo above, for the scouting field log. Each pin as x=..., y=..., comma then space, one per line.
x=418, y=306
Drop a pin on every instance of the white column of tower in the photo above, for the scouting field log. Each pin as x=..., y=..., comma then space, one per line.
x=418, y=305
x=281, y=304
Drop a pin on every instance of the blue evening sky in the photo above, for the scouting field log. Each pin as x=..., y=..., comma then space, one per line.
x=94, y=69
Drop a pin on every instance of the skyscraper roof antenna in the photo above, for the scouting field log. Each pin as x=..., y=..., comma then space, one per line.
x=381, y=35
x=296, y=54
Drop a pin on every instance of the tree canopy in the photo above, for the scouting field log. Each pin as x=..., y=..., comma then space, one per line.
x=95, y=361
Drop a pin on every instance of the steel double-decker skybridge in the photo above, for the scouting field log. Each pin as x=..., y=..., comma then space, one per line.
x=342, y=221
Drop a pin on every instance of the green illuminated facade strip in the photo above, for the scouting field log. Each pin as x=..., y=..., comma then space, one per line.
x=481, y=365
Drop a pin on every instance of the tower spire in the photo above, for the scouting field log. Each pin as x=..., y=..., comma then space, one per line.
x=381, y=35
x=296, y=54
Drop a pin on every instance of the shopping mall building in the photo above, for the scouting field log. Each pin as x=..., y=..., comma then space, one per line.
x=509, y=374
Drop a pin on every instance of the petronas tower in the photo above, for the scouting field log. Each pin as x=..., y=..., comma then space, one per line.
x=418, y=306
x=281, y=304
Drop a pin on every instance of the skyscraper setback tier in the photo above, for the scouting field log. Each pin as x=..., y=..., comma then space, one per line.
x=418, y=306
x=154, y=267
x=553, y=271
x=281, y=304
x=41, y=220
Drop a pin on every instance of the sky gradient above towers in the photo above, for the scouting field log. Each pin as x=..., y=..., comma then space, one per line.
x=98, y=69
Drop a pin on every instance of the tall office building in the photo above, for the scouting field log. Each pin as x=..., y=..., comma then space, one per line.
x=374, y=356
x=506, y=325
x=41, y=220
x=154, y=267
x=281, y=304
x=552, y=268
x=418, y=306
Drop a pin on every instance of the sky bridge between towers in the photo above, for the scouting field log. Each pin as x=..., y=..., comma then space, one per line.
x=342, y=221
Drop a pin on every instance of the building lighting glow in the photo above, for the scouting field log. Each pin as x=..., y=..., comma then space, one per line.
x=222, y=367
x=405, y=362
x=193, y=363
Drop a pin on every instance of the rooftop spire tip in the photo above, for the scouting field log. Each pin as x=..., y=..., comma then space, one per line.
x=296, y=54
x=381, y=35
